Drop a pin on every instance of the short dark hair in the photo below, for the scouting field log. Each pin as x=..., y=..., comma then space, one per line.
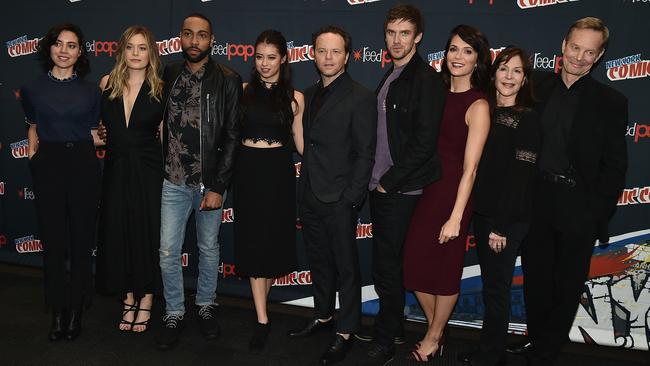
x=347, y=39
x=406, y=12
x=477, y=40
x=200, y=16
x=81, y=67
x=524, y=97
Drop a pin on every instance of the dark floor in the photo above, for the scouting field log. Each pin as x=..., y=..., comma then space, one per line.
x=24, y=325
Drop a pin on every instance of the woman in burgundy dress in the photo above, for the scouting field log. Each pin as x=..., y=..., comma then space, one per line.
x=435, y=243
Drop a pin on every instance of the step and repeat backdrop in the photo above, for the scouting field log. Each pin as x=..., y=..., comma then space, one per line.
x=615, y=306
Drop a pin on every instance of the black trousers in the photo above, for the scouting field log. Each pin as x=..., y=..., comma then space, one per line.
x=66, y=184
x=329, y=232
x=391, y=214
x=556, y=255
x=496, y=273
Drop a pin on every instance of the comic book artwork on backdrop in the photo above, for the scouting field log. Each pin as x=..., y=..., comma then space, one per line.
x=615, y=305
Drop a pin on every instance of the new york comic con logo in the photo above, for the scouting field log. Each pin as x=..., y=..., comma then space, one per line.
x=527, y=4
x=361, y=2
x=22, y=46
x=634, y=196
x=19, y=149
x=300, y=53
x=628, y=67
x=28, y=244
x=367, y=54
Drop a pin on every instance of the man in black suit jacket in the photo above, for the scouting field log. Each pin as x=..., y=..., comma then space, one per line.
x=583, y=163
x=410, y=102
x=339, y=121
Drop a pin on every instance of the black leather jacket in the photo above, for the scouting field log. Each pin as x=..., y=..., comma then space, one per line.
x=221, y=90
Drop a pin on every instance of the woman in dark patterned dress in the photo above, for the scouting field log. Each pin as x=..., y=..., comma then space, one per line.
x=435, y=244
x=128, y=260
x=264, y=177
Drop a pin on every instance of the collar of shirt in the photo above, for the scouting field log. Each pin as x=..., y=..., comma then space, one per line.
x=330, y=88
x=198, y=74
x=577, y=86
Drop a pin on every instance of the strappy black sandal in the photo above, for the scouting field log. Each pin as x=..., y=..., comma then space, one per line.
x=145, y=322
x=127, y=308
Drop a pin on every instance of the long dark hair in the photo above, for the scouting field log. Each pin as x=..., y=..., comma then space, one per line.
x=82, y=66
x=524, y=97
x=282, y=93
x=477, y=40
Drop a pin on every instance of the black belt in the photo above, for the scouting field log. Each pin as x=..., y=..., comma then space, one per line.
x=559, y=179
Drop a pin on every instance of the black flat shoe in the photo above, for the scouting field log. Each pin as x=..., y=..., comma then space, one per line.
x=57, y=329
x=337, y=350
x=520, y=349
x=260, y=336
x=73, y=330
x=312, y=326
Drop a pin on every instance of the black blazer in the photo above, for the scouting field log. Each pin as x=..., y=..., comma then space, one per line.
x=414, y=106
x=340, y=142
x=596, y=147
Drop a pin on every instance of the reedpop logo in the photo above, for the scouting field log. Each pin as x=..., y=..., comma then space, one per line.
x=368, y=55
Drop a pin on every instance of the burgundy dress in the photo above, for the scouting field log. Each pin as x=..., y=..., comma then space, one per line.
x=429, y=266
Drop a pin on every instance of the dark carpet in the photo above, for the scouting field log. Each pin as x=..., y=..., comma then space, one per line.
x=24, y=325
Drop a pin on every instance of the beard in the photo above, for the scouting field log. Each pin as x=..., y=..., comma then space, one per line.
x=198, y=57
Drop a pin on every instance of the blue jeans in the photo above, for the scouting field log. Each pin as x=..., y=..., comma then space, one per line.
x=177, y=204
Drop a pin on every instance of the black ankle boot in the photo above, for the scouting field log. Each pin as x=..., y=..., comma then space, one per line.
x=74, y=325
x=57, y=329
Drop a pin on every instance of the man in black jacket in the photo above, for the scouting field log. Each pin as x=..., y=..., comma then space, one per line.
x=583, y=163
x=337, y=161
x=410, y=102
x=200, y=137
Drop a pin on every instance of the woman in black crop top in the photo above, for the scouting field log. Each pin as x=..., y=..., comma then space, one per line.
x=502, y=194
x=264, y=177
x=61, y=109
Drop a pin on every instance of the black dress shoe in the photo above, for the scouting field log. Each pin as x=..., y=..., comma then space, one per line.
x=312, y=326
x=481, y=359
x=520, y=349
x=337, y=350
x=57, y=329
x=465, y=358
x=260, y=336
x=74, y=325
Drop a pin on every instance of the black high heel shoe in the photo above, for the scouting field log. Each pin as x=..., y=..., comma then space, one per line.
x=144, y=323
x=73, y=330
x=57, y=329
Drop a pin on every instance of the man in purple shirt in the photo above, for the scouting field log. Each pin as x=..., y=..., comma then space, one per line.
x=410, y=102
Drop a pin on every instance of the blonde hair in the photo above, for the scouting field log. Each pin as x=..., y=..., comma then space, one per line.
x=118, y=79
x=593, y=23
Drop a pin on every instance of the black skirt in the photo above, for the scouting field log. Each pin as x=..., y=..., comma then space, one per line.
x=264, y=204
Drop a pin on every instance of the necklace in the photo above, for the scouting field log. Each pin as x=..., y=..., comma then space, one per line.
x=64, y=80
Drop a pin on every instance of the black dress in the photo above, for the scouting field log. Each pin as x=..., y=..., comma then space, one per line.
x=264, y=194
x=128, y=259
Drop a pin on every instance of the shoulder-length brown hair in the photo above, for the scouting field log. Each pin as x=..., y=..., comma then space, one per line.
x=524, y=97
x=118, y=79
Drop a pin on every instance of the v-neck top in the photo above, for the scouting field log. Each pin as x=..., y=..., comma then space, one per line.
x=142, y=131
